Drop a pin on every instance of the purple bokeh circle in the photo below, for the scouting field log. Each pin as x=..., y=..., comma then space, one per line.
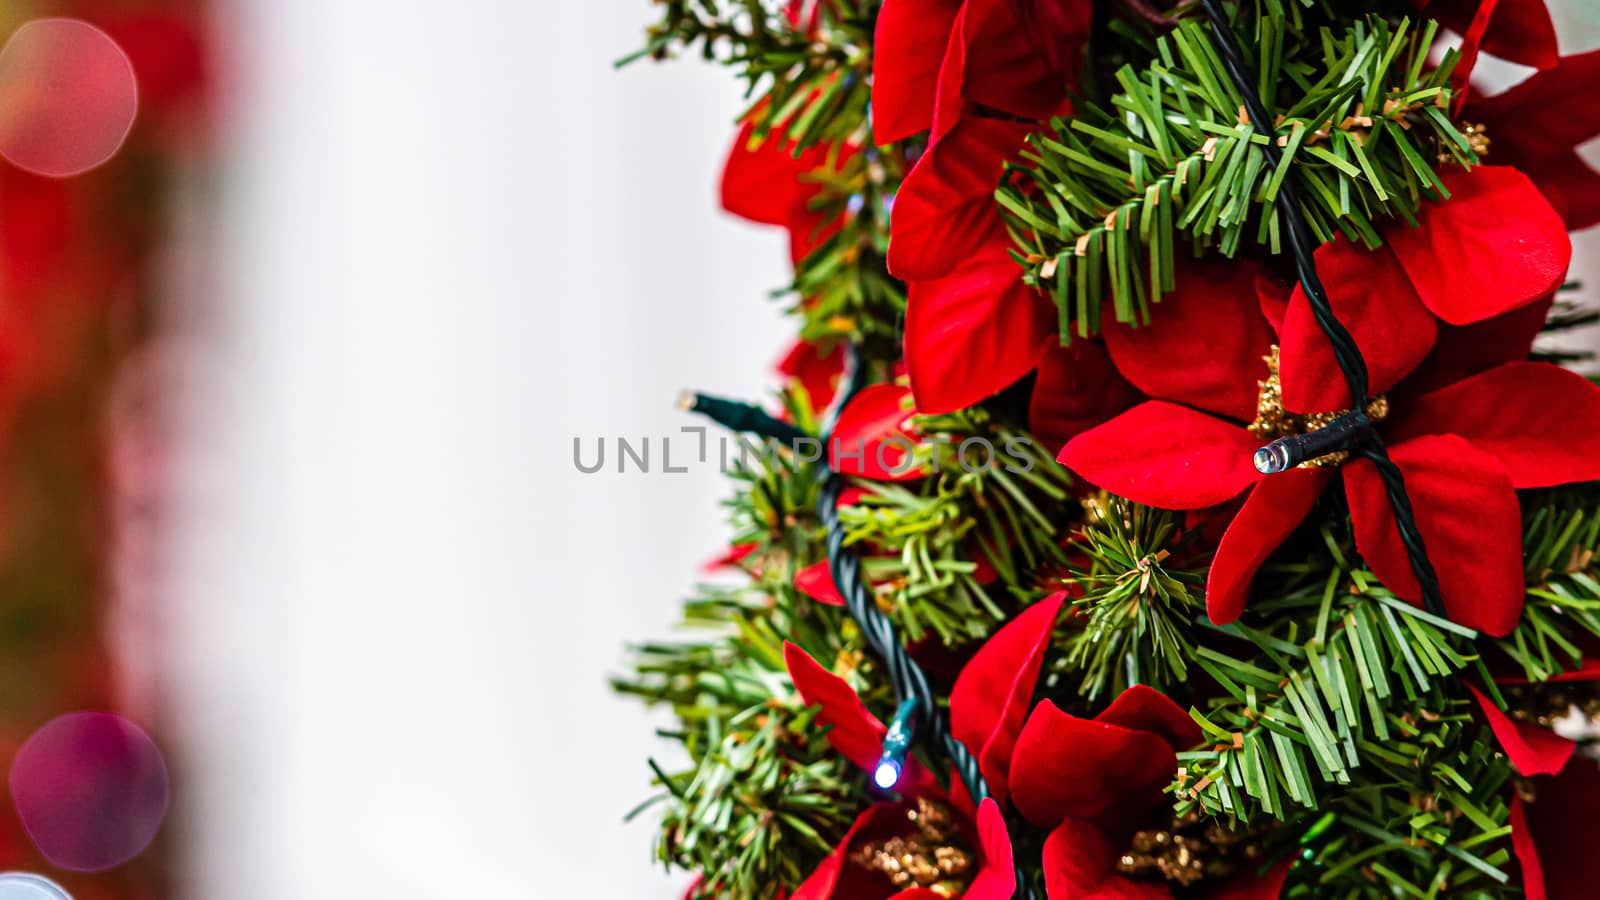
x=91, y=790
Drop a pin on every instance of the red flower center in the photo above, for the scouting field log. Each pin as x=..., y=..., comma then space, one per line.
x=1189, y=854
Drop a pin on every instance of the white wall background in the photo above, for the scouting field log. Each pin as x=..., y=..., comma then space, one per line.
x=452, y=239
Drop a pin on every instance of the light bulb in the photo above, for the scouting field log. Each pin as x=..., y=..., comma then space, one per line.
x=887, y=775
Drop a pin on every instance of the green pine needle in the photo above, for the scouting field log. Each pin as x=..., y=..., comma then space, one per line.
x=1103, y=204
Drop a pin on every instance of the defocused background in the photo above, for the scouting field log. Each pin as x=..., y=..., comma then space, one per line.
x=290, y=377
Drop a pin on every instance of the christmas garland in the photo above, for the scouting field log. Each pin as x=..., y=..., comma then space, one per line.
x=1187, y=266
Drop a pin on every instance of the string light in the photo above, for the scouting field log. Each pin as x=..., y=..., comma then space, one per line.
x=1302, y=245
x=1287, y=452
x=895, y=744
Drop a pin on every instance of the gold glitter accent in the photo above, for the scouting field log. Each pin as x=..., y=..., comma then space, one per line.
x=1097, y=506
x=932, y=858
x=1273, y=421
x=1477, y=138
x=1188, y=852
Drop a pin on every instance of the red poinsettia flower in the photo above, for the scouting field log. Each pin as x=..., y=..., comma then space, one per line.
x=766, y=182
x=1090, y=782
x=933, y=59
x=978, y=75
x=973, y=328
x=858, y=735
x=1537, y=127
x=1554, y=834
x=1078, y=387
x=1463, y=448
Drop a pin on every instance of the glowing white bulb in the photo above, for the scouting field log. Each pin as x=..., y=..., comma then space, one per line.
x=887, y=774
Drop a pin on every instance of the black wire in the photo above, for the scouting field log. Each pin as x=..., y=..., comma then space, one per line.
x=907, y=677
x=1302, y=245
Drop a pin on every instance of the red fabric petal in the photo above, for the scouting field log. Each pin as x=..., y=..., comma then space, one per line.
x=1541, y=421
x=1565, y=830
x=1204, y=345
x=1588, y=671
x=1274, y=509
x=1164, y=455
x=1471, y=44
x=871, y=438
x=907, y=53
x=1272, y=295
x=837, y=878
x=1545, y=116
x=1516, y=30
x=1077, y=389
x=1466, y=350
x=945, y=210
x=854, y=732
x=1532, y=750
x=817, y=366
x=809, y=230
x=1495, y=245
x=1078, y=864
x=1005, y=66
x=765, y=182
x=1065, y=766
x=997, y=877
x=974, y=332
x=1370, y=294
x=816, y=582
x=729, y=559
x=1064, y=29
x=990, y=700
x=1571, y=186
x=1144, y=708
x=1527, y=854
x=1470, y=522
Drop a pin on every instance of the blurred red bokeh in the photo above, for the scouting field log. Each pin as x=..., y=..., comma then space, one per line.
x=80, y=280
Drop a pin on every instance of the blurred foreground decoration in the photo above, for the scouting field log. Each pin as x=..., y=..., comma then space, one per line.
x=81, y=277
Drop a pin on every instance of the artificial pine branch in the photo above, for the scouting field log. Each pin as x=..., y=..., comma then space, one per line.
x=807, y=76
x=1428, y=816
x=1101, y=203
x=1324, y=708
x=764, y=795
x=1142, y=589
x=808, y=81
x=920, y=540
x=1561, y=535
x=842, y=290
